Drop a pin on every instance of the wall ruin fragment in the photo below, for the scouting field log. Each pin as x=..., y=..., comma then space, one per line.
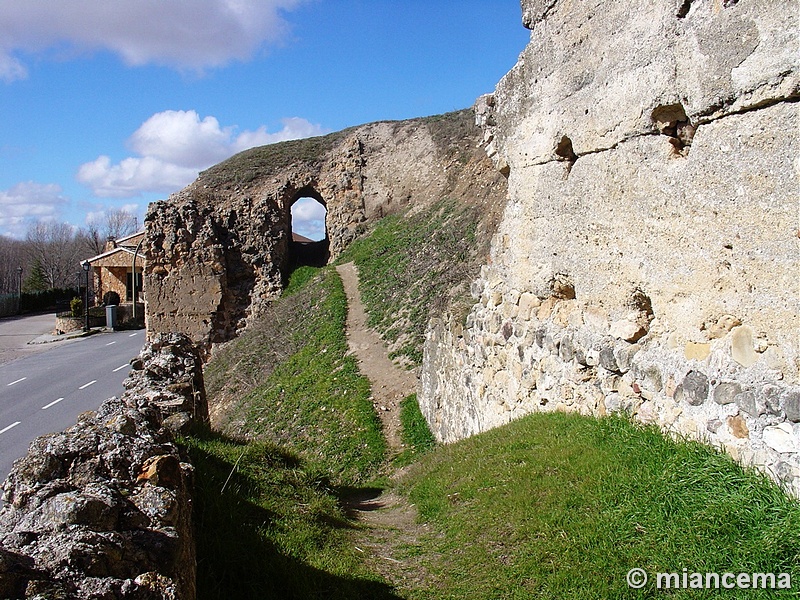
x=647, y=261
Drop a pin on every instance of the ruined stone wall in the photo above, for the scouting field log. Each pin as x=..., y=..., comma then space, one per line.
x=217, y=251
x=647, y=260
x=103, y=509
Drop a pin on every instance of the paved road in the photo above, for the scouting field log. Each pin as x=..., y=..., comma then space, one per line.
x=17, y=332
x=45, y=392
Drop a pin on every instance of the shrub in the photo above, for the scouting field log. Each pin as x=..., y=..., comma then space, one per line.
x=76, y=307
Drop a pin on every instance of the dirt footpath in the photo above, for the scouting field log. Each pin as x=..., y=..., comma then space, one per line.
x=390, y=383
x=390, y=531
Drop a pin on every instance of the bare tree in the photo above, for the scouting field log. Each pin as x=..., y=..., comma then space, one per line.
x=57, y=248
x=12, y=258
x=120, y=222
x=116, y=223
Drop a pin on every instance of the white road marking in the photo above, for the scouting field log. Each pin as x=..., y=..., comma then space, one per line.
x=10, y=427
x=133, y=334
x=85, y=385
x=13, y=382
x=53, y=403
x=110, y=343
x=120, y=368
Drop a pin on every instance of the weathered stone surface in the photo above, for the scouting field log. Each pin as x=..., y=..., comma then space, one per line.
x=791, y=405
x=781, y=438
x=738, y=426
x=746, y=401
x=742, y=346
x=695, y=351
x=103, y=509
x=721, y=327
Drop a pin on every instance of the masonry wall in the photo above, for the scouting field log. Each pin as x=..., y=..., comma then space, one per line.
x=647, y=261
x=104, y=509
x=218, y=251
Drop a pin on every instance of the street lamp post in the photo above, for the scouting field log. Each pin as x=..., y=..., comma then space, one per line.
x=86, y=266
x=19, y=289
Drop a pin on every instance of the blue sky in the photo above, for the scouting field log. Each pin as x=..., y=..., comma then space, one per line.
x=108, y=105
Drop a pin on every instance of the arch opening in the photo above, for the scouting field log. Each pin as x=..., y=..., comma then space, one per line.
x=309, y=244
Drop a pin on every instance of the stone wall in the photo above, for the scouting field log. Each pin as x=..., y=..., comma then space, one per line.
x=103, y=509
x=218, y=251
x=647, y=260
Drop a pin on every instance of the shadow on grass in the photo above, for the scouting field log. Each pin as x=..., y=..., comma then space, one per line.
x=354, y=500
x=259, y=518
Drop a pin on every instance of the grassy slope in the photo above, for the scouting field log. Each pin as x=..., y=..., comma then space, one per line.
x=268, y=528
x=295, y=386
x=300, y=431
x=562, y=506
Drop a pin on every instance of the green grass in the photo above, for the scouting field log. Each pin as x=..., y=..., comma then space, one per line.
x=562, y=506
x=415, y=433
x=268, y=529
x=313, y=401
x=298, y=279
x=412, y=267
x=300, y=434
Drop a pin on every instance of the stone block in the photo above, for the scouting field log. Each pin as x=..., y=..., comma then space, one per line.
x=781, y=438
x=693, y=389
x=627, y=330
x=695, y=351
x=608, y=359
x=746, y=401
x=721, y=327
x=770, y=397
x=726, y=392
x=742, y=349
x=527, y=303
x=738, y=427
x=612, y=403
x=539, y=335
x=566, y=349
x=791, y=405
x=623, y=355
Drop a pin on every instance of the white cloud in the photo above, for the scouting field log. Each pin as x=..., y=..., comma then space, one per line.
x=173, y=147
x=194, y=35
x=133, y=176
x=182, y=138
x=27, y=202
x=11, y=69
x=294, y=128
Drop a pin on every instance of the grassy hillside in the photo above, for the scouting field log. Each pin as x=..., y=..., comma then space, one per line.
x=289, y=381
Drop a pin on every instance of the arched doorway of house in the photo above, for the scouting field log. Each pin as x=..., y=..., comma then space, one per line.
x=307, y=219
